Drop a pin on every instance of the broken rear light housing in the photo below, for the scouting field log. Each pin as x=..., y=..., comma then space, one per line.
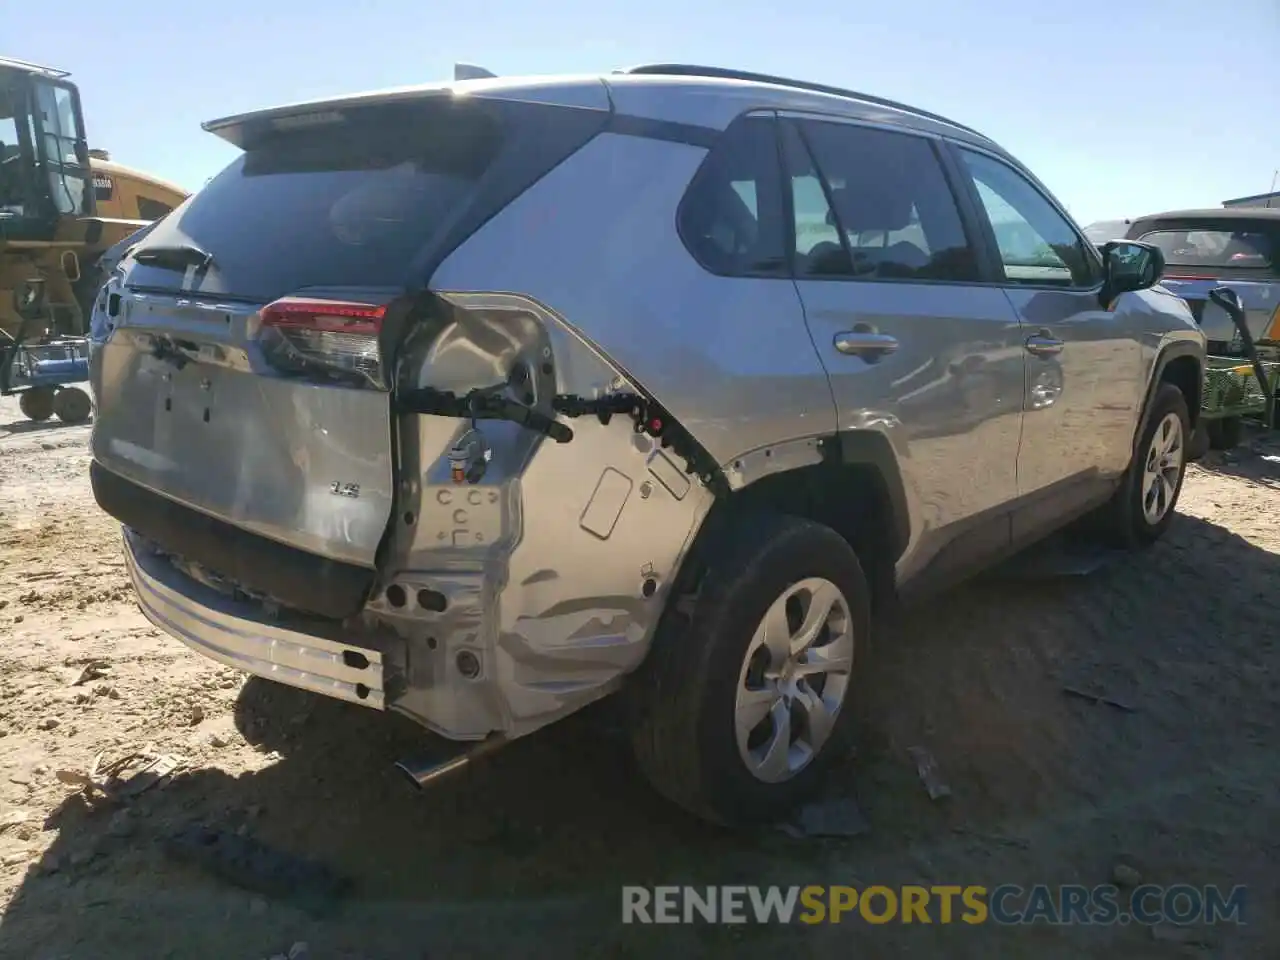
x=330, y=339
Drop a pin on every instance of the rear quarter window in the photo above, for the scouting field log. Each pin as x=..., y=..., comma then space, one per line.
x=731, y=218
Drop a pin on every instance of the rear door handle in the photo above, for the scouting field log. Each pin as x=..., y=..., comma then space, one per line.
x=1043, y=344
x=859, y=344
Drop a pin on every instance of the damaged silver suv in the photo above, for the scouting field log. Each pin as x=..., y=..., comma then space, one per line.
x=480, y=401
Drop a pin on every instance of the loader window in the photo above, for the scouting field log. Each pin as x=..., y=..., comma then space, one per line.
x=11, y=175
x=149, y=209
x=60, y=130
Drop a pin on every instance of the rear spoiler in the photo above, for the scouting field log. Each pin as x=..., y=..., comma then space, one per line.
x=240, y=129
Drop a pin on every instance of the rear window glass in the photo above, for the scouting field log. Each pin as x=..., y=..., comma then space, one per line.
x=1242, y=248
x=350, y=202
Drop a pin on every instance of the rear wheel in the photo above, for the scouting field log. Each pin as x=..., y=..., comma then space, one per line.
x=72, y=405
x=1143, y=505
x=747, y=698
x=36, y=403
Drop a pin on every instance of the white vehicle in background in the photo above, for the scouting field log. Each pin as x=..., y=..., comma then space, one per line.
x=1101, y=231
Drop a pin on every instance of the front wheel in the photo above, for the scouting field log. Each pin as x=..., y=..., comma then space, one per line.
x=747, y=698
x=1143, y=505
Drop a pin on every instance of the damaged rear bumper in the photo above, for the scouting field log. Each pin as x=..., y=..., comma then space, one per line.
x=235, y=633
x=503, y=600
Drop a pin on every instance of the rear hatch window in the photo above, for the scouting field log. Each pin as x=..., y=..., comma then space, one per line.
x=1217, y=252
x=332, y=199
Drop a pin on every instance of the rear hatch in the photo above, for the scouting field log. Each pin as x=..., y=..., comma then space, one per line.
x=1201, y=254
x=244, y=374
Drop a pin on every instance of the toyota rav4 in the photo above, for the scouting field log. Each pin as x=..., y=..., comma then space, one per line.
x=481, y=401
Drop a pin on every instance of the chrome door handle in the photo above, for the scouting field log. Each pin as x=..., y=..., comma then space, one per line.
x=1044, y=345
x=856, y=343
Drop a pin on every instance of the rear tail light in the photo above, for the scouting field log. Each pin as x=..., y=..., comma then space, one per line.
x=336, y=339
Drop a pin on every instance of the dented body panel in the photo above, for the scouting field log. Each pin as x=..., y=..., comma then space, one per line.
x=555, y=565
x=188, y=408
x=501, y=604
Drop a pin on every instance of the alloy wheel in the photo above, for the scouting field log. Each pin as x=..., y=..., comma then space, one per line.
x=794, y=679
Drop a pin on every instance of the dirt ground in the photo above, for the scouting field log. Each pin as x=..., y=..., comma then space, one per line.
x=524, y=856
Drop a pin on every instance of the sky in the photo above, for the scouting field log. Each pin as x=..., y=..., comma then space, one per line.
x=1121, y=108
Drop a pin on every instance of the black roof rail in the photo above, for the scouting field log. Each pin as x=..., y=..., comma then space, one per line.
x=725, y=73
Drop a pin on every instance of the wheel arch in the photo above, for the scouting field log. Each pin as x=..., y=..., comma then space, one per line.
x=1180, y=363
x=852, y=484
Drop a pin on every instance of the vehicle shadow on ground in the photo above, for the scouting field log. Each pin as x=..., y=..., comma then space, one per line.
x=37, y=426
x=1258, y=461
x=524, y=855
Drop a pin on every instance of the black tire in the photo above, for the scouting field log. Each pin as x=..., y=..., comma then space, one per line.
x=682, y=698
x=72, y=405
x=36, y=403
x=1123, y=522
x=1225, y=433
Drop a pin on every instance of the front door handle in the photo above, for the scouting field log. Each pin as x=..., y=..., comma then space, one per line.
x=1044, y=344
x=860, y=344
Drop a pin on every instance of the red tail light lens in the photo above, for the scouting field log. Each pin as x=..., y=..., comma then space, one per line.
x=335, y=339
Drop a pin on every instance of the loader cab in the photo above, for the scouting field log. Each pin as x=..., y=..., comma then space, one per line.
x=44, y=158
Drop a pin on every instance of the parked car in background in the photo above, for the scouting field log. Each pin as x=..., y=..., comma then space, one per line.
x=1103, y=230
x=481, y=401
x=1237, y=247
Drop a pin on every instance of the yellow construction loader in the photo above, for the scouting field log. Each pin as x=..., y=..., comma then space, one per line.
x=61, y=205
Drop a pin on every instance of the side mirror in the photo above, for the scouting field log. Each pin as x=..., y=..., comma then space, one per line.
x=1129, y=265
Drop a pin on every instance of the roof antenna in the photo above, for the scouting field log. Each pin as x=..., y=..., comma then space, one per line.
x=469, y=71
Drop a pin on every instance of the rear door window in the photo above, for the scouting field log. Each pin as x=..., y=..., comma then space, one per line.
x=347, y=202
x=873, y=204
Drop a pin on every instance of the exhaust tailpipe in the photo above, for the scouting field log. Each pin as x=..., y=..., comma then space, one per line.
x=424, y=772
